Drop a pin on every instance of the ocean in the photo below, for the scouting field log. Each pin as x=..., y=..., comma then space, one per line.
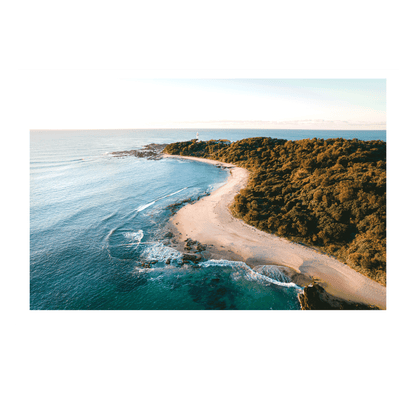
x=95, y=219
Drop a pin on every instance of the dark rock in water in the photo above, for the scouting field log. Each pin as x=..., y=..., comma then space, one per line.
x=199, y=247
x=168, y=235
x=167, y=261
x=314, y=297
x=192, y=257
x=178, y=205
x=151, y=151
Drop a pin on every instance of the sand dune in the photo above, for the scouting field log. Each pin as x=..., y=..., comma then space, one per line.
x=209, y=221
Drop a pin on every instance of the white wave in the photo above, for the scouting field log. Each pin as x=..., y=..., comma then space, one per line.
x=180, y=190
x=273, y=272
x=110, y=234
x=160, y=252
x=142, y=207
x=136, y=237
x=241, y=270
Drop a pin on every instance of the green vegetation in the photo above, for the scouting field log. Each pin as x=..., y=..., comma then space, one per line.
x=330, y=194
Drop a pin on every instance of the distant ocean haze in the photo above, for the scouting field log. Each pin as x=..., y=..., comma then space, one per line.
x=95, y=218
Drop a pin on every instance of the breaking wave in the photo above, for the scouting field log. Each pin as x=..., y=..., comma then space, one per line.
x=161, y=253
x=274, y=272
x=135, y=237
x=241, y=270
x=174, y=193
x=142, y=207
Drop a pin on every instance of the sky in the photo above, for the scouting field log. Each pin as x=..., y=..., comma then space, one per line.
x=117, y=100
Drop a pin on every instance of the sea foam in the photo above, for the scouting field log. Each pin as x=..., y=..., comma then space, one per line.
x=241, y=270
x=273, y=272
x=135, y=237
x=160, y=252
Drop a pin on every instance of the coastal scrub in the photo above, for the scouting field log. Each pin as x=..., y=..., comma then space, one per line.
x=329, y=194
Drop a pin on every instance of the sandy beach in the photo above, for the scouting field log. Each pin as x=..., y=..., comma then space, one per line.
x=210, y=222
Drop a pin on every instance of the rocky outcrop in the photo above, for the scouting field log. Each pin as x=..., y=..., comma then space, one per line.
x=174, y=208
x=191, y=257
x=314, y=297
x=151, y=151
x=194, y=245
x=194, y=249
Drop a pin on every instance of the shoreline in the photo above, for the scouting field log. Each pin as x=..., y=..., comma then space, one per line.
x=210, y=222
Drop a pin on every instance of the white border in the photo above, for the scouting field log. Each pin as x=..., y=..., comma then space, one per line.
x=393, y=316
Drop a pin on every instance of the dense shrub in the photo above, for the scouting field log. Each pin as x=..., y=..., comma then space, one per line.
x=327, y=193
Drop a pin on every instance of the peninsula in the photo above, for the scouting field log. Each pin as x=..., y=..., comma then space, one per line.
x=315, y=206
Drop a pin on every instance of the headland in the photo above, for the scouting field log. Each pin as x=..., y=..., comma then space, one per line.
x=210, y=222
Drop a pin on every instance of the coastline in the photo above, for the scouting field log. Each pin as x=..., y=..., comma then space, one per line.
x=210, y=222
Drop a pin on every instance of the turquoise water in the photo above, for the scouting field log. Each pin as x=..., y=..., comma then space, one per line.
x=94, y=218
